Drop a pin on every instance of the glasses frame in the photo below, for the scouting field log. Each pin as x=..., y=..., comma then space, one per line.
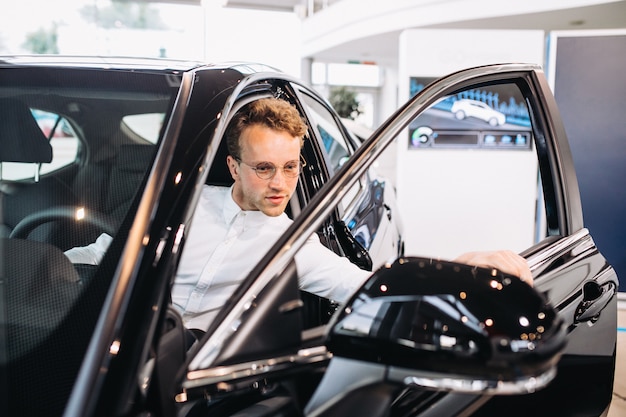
x=255, y=168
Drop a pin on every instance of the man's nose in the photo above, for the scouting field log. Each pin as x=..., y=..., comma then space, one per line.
x=279, y=177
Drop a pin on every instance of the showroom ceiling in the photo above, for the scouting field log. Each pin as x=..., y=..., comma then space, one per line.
x=382, y=47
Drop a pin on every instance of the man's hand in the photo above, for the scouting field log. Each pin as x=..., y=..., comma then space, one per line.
x=504, y=260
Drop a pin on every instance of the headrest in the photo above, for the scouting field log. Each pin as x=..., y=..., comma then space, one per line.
x=21, y=139
x=219, y=173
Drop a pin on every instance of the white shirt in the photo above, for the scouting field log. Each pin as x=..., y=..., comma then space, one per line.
x=224, y=243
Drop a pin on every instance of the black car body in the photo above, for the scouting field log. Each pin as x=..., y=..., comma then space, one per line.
x=79, y=340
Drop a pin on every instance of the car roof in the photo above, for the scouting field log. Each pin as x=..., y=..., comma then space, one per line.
x=129, y=63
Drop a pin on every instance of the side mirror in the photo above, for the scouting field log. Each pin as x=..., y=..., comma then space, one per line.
x=452, y=327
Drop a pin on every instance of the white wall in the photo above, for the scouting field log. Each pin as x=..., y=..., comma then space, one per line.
x=349, y=20
x=449, y=178
x=271, y=38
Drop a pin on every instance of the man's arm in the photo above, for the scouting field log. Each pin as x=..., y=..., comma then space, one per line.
x=506, y=261
x=91, y=254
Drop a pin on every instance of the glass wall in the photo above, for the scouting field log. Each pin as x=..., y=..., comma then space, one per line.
x=103, y=27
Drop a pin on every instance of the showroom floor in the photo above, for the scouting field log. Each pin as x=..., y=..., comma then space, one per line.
x=618, y=406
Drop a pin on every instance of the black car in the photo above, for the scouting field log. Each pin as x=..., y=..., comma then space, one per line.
x=130, y=147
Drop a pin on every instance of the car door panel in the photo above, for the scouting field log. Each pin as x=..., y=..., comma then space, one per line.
x=586, y=368
x=372, y=222
x=566, y=264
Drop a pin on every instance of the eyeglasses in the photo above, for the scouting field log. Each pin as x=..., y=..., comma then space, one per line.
x=267, y=170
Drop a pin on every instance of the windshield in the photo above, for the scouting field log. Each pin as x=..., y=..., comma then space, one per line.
x=75, y=149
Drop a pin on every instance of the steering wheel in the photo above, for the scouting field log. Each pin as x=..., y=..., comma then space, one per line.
x=29, y=223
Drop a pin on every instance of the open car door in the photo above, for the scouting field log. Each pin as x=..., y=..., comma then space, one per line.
x=414, y=340
x=466, y=183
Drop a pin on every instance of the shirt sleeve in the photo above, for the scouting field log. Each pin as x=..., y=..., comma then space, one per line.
x=324, y=273
x=91, y=254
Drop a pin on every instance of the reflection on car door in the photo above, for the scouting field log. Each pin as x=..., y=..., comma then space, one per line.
x=368, y=209
x=487, y=191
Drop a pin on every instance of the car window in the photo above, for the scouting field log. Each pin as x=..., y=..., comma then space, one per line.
x=62, y=138
x=368, y=210
x=93, y=169
x=335, y=145
x=470, y=175
x=147, y=126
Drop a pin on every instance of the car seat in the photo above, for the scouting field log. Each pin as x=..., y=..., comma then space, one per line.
x=22, y=141
x=109, y=187
x=219, y=173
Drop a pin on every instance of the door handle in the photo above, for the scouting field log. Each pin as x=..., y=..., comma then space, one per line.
x=595, y=298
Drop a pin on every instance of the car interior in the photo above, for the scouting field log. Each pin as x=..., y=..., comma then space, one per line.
x=100, y=182
x=87, y=165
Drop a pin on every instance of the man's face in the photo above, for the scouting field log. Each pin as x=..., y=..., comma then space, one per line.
x=262, y=145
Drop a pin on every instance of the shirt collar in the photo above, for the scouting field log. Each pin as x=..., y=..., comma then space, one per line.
x=232, y=209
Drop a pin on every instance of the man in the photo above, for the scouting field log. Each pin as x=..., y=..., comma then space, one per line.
x=233, y=226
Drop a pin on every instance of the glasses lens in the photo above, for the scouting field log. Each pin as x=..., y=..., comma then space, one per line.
x=292, y=169
x=265, y=171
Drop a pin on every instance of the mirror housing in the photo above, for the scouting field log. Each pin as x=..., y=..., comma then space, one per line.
x=453, y=327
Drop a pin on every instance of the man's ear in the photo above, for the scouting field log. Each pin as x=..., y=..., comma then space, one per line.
x=233, y=167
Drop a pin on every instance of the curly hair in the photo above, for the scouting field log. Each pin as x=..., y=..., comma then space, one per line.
x=273, y=113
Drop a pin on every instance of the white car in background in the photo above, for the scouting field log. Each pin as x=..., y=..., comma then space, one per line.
x=464, y=108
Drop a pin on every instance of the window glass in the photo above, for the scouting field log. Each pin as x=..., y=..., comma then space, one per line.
x=470, y=175
x=334, y=143
x=63, y=140
x=90, y=190
x=146, y=126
